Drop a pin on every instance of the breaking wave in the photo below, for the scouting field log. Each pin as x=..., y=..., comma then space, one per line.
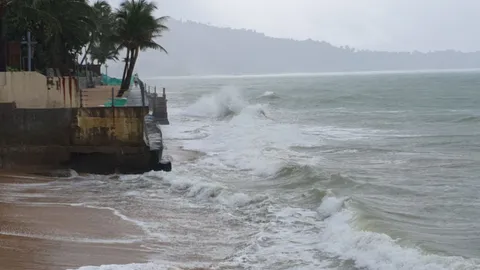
x=225, y=103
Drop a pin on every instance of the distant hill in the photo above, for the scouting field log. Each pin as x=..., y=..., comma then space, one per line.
x=200, y=49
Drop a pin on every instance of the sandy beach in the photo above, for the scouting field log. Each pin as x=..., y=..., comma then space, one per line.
x=47, y=236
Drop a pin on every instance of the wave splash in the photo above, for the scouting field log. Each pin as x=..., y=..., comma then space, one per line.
x=224, y=103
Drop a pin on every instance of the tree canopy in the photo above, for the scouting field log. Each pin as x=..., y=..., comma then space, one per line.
x=137, y=30
x=64, y=30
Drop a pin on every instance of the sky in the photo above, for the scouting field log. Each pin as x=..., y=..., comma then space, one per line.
x=388, y=25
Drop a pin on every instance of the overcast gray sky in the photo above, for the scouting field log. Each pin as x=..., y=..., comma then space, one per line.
x=393, y=25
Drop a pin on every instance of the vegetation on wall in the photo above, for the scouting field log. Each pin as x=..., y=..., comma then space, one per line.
x=68, y=33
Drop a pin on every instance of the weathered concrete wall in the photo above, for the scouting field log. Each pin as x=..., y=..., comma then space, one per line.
x=35, y=126
x=34, y=90
x=100, y=126
x=158, y=105
x=97, y=140
x=34, y=137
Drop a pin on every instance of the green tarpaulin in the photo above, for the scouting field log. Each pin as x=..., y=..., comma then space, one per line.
x=106, y=80
x=117, y=102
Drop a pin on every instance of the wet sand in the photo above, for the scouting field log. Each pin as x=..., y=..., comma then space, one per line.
x=35, y=235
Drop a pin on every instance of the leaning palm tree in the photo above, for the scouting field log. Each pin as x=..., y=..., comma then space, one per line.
x=137, y=30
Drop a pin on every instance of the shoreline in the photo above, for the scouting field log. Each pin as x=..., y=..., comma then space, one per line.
x=55, y=235
x=38, y=231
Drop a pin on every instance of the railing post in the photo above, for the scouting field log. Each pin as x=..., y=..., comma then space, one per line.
x=143, y=88
x=113, y=114
x=77, y=83
x=113, y=96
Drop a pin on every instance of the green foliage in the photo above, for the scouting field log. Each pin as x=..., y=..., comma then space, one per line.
x=137, y=29
x=66, y=29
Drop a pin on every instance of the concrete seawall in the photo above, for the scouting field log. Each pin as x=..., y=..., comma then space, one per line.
x=95, y=140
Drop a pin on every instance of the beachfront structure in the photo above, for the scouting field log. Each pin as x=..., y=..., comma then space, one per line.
x=50, y=122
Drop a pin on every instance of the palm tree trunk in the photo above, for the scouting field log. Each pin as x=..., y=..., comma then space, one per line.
x=131, y=67
x=127, y=61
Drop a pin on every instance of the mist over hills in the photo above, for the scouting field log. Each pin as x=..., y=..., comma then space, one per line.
x=200, y=49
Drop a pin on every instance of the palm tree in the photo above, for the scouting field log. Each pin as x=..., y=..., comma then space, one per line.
x=137, y=30
x=104, y=47
x=100, y=39
x=104, y=51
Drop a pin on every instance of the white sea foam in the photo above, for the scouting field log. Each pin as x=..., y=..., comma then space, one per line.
x=117, y=213
x=330, y=206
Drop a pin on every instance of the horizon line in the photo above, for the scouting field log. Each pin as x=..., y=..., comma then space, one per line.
x=313, y=74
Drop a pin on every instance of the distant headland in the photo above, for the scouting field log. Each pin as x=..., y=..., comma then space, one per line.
x=201, y=49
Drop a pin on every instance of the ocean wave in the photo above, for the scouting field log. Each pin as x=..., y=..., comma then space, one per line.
x=296, y=175
x=372, y=250
x=225, y=103
x=469, y=119
x=295, y=170
x=198, y=188
x=299, y=176
x=327, y=238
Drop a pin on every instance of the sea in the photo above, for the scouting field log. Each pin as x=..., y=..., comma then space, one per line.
x=367, y=171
